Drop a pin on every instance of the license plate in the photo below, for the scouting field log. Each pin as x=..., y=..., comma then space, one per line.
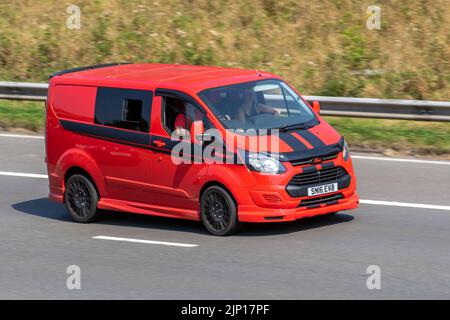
x=323, y=189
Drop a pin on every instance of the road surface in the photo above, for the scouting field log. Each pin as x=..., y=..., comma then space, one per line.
x=402, y=226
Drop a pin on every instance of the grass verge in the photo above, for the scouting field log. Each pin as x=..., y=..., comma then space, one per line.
x=389, y=137
x=395, y=136
x=16, y=115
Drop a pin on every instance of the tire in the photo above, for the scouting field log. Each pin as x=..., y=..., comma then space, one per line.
x=81, y=199
x=218, y=212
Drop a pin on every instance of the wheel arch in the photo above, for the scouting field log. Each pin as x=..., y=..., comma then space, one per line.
x=78, y=170
x=79, y=161
x=218, y=184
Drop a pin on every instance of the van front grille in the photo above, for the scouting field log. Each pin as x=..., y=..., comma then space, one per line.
x=321, y=200
x=318, y=176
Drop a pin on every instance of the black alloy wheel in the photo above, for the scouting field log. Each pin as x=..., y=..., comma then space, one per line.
x=218, y=211
x=81, y=199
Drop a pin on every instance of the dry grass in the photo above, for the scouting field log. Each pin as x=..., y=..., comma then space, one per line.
x=318, y=46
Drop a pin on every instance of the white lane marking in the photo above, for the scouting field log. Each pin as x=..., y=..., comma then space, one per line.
x=405, y=204
x=10, y=135
x=401, y=160
x=163, y=243
x=26, y=175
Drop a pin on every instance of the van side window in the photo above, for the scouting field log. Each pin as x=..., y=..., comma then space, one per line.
x=181, y=114
x=123, y=108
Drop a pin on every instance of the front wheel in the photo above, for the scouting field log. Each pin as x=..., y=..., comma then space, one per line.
x=81, y=199
x=218, y=212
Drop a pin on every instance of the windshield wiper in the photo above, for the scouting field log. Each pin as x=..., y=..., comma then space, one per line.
x=295, y=126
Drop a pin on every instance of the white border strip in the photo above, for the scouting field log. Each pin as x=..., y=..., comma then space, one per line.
x=26, y=175
x=400, y=160
x=163, y=243
x=9, y=135
x=405, y=204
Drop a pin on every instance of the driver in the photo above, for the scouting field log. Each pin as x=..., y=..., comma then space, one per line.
x=251, y=107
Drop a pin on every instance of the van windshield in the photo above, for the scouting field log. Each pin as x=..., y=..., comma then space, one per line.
x=265, y=104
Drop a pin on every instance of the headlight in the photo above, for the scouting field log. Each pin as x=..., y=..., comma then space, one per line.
x=264, y=164
x=345, y=151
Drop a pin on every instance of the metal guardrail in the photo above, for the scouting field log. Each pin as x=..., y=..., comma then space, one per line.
x=23, y=91
x=330, y=106
x=383, y=108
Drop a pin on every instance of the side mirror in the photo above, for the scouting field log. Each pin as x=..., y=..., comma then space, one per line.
x=316, y=106
x=197, y=131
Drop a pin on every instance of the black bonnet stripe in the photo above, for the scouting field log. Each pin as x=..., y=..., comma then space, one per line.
x=292, y=142
x=311, y=138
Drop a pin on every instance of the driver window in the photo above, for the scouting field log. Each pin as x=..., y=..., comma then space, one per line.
x=179, y=115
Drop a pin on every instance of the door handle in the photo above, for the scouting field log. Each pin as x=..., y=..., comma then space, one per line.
x=159, y=143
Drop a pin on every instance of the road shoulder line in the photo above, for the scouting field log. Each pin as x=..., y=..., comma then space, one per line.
x=163, y=243
x=405, y=204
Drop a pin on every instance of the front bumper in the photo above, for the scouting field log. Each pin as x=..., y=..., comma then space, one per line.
x=254, y=213
x=271, y=201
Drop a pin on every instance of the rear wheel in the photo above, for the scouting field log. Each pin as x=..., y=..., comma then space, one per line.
x=81, y=199
x=218, y=212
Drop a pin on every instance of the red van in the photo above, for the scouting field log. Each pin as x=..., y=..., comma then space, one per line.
x=110, y=145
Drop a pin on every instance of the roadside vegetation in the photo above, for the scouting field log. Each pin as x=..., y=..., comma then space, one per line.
x=320, y=47
x=395, y=137
x=22, y=115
